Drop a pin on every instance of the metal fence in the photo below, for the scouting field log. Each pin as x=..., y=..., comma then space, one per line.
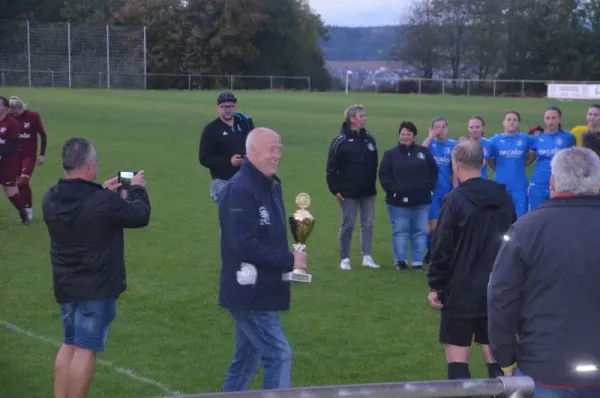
x=72, y=55
x=37, y=54
x=467, y=87
x=513, y=387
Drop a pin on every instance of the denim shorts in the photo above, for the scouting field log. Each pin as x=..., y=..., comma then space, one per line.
x=86, y=323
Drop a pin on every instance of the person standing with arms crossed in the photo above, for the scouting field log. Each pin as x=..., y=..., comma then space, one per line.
x=473, y=218
x=510, y=156
x=545, y=146
x=222, y=143
x=351, y=176
x=31, y=126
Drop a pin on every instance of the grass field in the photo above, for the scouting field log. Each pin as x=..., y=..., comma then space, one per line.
x=361, y=326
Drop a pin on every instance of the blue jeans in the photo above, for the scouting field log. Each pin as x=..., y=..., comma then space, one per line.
x=86, y=323
x=537, y=195
x=541, y=391
x=409, y=224
x=259, y=338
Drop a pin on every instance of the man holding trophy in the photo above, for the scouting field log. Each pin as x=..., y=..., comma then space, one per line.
x=257, y=264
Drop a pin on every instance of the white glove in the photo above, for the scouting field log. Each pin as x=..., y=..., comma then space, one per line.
x=247, y=274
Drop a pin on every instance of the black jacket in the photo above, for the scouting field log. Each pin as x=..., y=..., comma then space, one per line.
x=352, y=164
x=253, y=231
x=220, y=141
x=408, y=175
x=473, y=219
x=85, y=223
x=543, y=297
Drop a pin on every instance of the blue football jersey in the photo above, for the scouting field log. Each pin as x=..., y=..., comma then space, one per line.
x=486, y=145
x=546, y=146
x=442, y=153
x=510, y=152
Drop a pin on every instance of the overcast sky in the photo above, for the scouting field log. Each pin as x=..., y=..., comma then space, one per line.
x=360, y=12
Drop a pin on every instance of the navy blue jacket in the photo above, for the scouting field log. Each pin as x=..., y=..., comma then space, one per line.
x=253, y=231
x=543, y=294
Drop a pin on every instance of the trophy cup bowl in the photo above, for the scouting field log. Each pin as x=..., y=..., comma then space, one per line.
x=301, y=225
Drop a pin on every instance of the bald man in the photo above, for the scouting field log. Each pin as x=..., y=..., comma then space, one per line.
x=255, y=260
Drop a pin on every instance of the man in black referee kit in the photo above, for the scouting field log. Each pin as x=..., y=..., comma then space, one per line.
x=223, y=143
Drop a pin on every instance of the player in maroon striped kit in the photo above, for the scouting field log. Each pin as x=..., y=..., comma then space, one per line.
x=9, y=160
x=31, y=126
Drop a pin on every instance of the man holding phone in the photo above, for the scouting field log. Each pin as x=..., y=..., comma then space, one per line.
x=86, y=222
x=223, y=143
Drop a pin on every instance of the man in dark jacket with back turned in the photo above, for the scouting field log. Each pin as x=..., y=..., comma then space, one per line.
x=543, y=296
x=473, y=219
x=351, y=176
x=85, y=222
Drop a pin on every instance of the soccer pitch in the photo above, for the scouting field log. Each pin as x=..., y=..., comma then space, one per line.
x=361, y=326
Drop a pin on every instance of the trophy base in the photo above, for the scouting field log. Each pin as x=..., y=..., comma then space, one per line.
x=298, y=277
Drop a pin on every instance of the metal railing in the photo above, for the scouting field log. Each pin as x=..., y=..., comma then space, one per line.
x=512, y=387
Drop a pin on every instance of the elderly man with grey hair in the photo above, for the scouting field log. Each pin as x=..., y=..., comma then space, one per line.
x=473, y=218
x=351, y=177
x=543, y=295
x=85, y=222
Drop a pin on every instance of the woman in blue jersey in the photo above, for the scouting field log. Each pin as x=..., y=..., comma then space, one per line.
x=545, y=145
x=440, y=147
x=510, y=157
x=476, y=128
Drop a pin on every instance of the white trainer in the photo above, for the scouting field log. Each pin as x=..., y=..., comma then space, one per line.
x=345, y=264
x=369, y=262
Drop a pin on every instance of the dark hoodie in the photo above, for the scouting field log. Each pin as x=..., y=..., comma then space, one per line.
x=86, y=223
x=473, y=220
x=352, y=164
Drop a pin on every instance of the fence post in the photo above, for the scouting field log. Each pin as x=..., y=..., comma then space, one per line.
x=3, y=78
x=145, y=62
x=231, y=82
x=28, y=53
x=309, y=84
x=494, y=87
x=107, y=56
x=69, y=50
x=52, y=78
x=522, y=88
x=189, y=81
x=271, y=79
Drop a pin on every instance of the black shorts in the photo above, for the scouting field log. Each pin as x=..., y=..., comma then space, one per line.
x=463, y=331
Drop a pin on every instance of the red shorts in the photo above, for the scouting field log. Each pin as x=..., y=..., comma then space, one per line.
x=28, y=163
x=9, y=171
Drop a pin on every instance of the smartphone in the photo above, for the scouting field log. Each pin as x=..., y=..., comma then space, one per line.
x=125, y=177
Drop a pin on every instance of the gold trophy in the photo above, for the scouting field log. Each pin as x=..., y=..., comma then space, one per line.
x=301, y=225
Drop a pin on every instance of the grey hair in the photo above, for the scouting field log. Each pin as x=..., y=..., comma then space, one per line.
x=576, y=171
x=16, y=103
x=468, y=154
x=352, y=111
x=76, y=153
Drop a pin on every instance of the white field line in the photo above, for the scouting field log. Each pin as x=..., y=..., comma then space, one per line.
x=126, y=372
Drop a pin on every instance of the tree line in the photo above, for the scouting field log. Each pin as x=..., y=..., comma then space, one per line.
x=232, y=37
x=503, y=39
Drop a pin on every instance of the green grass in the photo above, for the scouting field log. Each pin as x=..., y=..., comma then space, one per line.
x=362, y=326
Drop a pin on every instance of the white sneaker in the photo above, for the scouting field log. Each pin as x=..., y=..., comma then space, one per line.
x=29, y=213
x=369, y=263
x=345, y=264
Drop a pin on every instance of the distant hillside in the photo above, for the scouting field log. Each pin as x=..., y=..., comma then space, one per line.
x=360, y=44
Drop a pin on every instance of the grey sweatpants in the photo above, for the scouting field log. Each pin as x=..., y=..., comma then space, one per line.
x=350, y=208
